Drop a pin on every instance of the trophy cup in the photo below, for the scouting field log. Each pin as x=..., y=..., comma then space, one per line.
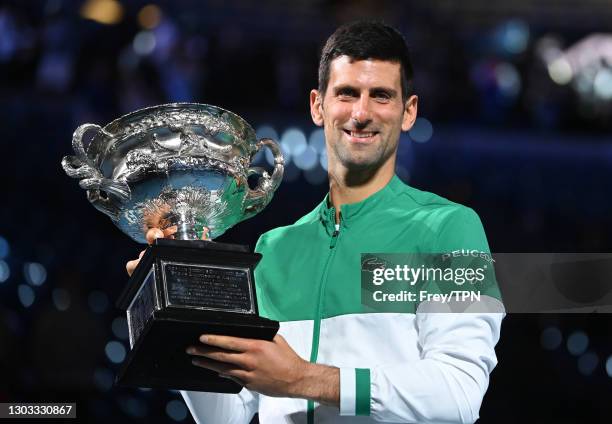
x=185, y=165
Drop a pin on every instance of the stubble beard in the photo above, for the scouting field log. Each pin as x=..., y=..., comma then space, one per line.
x=362, y=165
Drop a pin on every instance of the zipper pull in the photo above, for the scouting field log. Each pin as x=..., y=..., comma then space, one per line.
x=334, y=238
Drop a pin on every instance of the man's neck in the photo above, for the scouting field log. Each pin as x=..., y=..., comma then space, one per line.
x=352, y=187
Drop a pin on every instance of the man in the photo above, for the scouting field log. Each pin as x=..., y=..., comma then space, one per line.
x=331, y=361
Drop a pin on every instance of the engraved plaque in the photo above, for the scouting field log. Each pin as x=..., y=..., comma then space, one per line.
x=141, y=308
x=208, y=287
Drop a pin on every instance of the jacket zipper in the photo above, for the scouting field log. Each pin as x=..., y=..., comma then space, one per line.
x=334, y=238
x=316, y=330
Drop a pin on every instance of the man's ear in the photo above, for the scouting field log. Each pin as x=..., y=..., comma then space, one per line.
x=316, y=108
x=410, y=112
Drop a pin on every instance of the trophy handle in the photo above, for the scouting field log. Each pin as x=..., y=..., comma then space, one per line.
x=99, y=189
x=260, y=196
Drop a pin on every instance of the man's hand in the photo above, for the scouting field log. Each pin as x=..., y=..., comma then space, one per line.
x=155, y=233
x=268, y=367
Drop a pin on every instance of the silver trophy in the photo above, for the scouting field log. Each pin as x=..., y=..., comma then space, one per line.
x=187, y=166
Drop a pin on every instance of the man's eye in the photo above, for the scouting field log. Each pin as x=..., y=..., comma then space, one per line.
x=346, y=93
x=382, y=96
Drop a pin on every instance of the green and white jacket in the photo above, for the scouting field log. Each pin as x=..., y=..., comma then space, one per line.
x=401, y=367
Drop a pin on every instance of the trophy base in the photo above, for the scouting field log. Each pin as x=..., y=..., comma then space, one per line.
x=179, y=291
x=159, y=360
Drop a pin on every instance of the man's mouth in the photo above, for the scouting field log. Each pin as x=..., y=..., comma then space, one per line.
x=361, y=135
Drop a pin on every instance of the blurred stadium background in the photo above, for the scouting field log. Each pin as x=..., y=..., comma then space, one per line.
x=515, y=119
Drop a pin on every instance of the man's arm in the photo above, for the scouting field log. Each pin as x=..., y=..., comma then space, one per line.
x=456, y=350
x=446, y=384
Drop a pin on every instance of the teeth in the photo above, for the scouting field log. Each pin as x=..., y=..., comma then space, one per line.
x=361, y=134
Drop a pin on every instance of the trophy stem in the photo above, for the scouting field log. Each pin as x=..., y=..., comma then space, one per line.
x=186, y=226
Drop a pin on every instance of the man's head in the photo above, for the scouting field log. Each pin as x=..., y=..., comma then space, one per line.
x=363, y=40
x=364, y=99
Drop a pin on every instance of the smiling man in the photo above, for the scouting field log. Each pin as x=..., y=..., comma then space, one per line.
x=332, y=360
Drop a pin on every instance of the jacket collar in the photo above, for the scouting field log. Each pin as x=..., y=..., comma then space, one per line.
x=353, y=211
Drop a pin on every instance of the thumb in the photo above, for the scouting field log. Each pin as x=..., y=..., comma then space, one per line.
x=280, y=340
x=154, y=233
x=205, y=233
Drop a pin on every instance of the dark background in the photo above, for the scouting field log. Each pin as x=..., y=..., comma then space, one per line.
x=512, y=124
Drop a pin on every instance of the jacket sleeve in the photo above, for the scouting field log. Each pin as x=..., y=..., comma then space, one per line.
x=457, y=353
x=447, y=383
x=212, y=408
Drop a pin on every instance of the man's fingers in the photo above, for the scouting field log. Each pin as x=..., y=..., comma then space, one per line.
x=219, y=367
x=205, y=233
x=220, y=355
x=237, y=344
x=280, y=340
x=131, y=265
x=154, y=233
x=170, y=231
x=224, y=370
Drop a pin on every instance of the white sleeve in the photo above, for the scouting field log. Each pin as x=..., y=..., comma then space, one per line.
x=446, y=385
x=213, y=408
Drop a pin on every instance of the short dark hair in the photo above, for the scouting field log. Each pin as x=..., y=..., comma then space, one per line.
x=363, y=40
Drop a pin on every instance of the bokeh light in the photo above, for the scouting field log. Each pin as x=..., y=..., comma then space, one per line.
x=115, y=351
x=307, y=159
x=149, y=16
x=551, y=338
x=133, y=406
x=98, y=301
x=61, y=299
x=5, y=271
x=316, y=140
x=144, y=43
x=560, y=71
x=421, y=131
x=609, y=366
x=513, y=36
x=323, y=160
x=34, y=273
x=294, y=141
x=4, y=248
x=602, y=85
x=577, y=343
x=26, y=295
x=587, y=363
x=508, y=79
x=107, y=12
x=176, y=410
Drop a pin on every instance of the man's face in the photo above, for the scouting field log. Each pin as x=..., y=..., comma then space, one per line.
x=362, y=113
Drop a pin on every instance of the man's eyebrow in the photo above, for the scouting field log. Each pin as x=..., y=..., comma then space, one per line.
x=344, y=87
x=390, y=91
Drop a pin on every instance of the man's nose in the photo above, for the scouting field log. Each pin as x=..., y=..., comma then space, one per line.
x=361, y=111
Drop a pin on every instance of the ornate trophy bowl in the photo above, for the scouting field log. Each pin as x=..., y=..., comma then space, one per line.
x=187, y=166
x=181, y=164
